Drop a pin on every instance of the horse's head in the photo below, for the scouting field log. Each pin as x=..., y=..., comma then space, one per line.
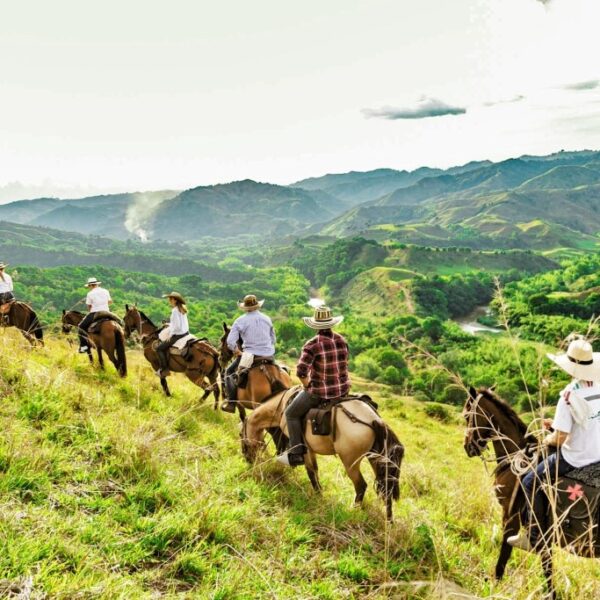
x=250, y=446
x=66, y=321
x=225, y=354
x=480, y=424
x=132, y=320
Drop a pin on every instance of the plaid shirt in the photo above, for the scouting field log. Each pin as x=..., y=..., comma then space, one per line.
x=325, y=359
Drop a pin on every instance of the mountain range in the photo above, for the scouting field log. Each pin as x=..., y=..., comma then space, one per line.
x=531, y=201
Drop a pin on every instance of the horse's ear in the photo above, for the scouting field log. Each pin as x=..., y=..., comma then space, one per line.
x=127, y=307
x=225, y=328
x=492, y=387
x=64, y=312
x=472, y=392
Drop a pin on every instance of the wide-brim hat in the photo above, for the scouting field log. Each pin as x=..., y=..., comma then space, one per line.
x=323, y=319
x=92, y=281
x=579, y=361
x=175, y=295
x=3, y=265
x=250, y=303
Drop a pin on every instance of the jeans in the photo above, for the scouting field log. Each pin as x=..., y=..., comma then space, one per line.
x=536, y=501
x=296, y=409
x=83, y=327
x=231, y=379
x=163, y=350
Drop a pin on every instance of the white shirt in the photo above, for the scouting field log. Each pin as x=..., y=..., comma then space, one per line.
x=98, y=299
x=582, y=447
x=7, y=284
x=178, y=323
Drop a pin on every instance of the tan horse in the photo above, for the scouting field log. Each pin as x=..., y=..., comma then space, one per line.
x=263, y=381
x=203, y=363
x=358, y=432
x=109, y=338
x=23, y=317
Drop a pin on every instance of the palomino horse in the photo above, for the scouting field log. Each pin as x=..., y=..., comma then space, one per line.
x=109, y=338
x=490, y=419
x=357, y=432
x=263, y=381
x=201, y=364
x=23, y=317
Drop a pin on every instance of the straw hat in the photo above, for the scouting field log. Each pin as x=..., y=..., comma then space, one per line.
x=579, y=361
x=250, y=303
x=92, y=281
x=3, y=265
x=323, y=319
x=175, y=295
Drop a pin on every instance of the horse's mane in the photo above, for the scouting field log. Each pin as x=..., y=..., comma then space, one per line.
x=506, y=409
x=146, y=318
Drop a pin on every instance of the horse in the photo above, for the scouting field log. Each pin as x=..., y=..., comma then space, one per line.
x=202, y=362
x=490, y=419
x=23, y=317
x=357, y=432
x=263, y=381
x=109, y=338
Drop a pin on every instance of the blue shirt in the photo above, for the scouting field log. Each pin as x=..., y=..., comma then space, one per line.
x=257, y=333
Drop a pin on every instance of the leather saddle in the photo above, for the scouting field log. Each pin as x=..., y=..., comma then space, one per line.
x=320, y=417
x=101, y=317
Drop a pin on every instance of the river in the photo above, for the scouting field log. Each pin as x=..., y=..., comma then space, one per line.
x=469, y=322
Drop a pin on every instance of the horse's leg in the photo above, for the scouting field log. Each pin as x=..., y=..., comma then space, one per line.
x=312, y=470
x=100, y=357
x=511, y=527
x=352, y=466
x=165, y=386
x=242, y=411
x=216, y=390
x=90, y=355
x=546, y=555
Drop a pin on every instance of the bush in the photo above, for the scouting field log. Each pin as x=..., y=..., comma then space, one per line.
x=366, y=367
x=438, y=411
x=392, y=376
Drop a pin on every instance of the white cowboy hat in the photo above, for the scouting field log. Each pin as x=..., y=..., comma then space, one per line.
x=323, y=319
x=579, y=361
x=250, y=303
x=3, y=265
x=92, y=281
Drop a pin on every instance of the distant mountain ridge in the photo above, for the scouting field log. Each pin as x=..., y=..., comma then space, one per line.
x=530, y=201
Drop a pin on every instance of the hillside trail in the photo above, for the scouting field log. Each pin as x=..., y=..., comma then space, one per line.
x=108, y=489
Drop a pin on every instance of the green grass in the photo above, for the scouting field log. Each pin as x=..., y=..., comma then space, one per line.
x=110, y=490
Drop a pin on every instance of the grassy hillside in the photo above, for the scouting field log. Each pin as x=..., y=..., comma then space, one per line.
x=109, y=490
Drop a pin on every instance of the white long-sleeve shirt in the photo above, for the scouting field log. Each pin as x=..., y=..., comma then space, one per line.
x=6, y=284
x=178, y=323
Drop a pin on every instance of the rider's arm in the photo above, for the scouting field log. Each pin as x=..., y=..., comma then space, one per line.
x=233, y=337
x=273, y=336
x=10, y=284
x=304, y=364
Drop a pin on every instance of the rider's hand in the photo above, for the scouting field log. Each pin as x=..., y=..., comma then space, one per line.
x=237, y=352
x=547, y=424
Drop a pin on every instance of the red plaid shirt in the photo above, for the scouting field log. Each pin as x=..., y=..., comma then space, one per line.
x=325, y=359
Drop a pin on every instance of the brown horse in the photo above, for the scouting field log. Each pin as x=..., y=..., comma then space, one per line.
x=490, y=419
x=23, y=317
x=202, y=363
x=109, y=338
x=263, y=381
x=357, y=432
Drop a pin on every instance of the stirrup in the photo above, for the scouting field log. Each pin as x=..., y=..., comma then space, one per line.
x=83, y=349
x=228, y=406
x=290, y=460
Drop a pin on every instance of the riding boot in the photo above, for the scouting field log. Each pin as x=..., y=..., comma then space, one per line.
x=84, y=343
x=163, y=363
x=231, y=391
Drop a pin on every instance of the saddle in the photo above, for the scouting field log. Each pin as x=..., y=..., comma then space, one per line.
x=101, y=317
x=320, y=417
x=244, y=372
x=577, y=496
x=182, y=346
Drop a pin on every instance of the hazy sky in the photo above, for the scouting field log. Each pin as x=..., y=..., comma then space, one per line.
x=147, y=94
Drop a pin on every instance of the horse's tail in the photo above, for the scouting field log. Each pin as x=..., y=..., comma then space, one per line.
x=120, y=349
x=386, y=457
x=35, y=327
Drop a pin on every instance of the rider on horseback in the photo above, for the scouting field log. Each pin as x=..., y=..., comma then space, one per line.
x=97, y=300
x=576, y=435
x=178, y=328
x=256, y=332
x=6, y=290
x=323, y=371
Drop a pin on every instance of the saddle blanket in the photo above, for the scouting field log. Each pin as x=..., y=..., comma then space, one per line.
x=181, y=344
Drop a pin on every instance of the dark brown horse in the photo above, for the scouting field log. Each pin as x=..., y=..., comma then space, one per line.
x=263, y=381
x=201, y=364
x=491, y=420
x=109, y=338
x=23, y=317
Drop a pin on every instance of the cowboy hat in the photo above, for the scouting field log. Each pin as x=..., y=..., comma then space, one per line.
x=250, y=303
x=3, y=265
x=579, y=361
x=175, y=295
x=322, y=319
x=92, y=281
